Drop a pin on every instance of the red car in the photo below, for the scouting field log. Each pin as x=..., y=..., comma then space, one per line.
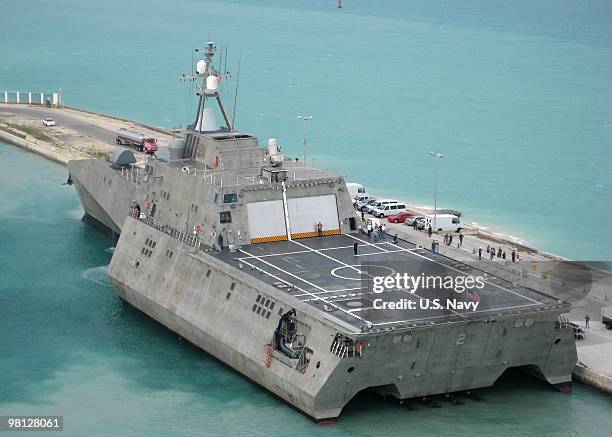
x=401, y=217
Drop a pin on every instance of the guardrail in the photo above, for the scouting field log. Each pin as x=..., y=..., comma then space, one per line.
x=51, y=100
x=191, y=240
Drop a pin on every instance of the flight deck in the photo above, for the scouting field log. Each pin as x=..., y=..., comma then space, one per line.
x=327, y=274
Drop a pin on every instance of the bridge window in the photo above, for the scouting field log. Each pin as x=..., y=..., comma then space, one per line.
x=230, y=198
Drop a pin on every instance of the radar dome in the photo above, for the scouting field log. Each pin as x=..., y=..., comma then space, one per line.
x=201, y=66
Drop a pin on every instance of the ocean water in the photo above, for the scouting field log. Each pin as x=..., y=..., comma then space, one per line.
x=515, y=94
x=69, y=346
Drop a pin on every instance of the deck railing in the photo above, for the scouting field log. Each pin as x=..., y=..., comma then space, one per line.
x=190, y=239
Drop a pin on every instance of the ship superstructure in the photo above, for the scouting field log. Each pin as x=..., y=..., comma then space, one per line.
x=251, y=256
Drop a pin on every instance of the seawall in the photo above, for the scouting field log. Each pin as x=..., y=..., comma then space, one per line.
x=592, y=377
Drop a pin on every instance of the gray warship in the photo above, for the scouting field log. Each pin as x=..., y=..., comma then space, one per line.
x=251, y=256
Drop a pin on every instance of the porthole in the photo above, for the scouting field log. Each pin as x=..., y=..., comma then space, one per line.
x=350, y=369
x=557, y=341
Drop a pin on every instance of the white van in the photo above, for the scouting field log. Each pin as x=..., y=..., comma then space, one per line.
x=446, y=222
x=381, y=203
x=390, y=209
x=355, y=189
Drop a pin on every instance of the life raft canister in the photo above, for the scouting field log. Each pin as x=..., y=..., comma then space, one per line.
x=197, y=228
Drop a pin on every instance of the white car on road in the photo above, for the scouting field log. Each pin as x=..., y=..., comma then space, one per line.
x=48, y=122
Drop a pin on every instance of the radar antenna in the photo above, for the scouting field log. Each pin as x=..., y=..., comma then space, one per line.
x=207, y=80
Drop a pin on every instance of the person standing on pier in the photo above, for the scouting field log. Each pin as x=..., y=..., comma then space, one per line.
x=513, y=255
x=450, y=239
x=383, y=229
x=460, y=239
x=479, y=253
x=587, y=319
x=362, y=216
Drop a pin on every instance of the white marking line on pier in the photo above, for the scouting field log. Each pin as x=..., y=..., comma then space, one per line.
x=457, y=270
x=473, y=312
x=300, y=279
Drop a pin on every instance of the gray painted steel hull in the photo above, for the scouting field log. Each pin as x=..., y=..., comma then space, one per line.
x=211, y=303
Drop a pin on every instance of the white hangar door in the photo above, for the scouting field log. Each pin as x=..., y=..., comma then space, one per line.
x=266, y=221
x=306, y=212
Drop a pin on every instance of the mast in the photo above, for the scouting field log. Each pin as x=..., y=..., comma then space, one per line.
x=207, y=78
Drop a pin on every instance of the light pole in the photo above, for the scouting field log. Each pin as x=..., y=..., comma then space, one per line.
x=305, y=118
x=436, y=157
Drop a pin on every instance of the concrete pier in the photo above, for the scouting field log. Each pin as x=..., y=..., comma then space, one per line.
x=78, y=134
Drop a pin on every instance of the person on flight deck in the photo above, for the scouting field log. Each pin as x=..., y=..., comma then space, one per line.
x=355, y=246
x=395, y=239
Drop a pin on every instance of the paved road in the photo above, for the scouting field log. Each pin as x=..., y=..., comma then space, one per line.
x=64, y=119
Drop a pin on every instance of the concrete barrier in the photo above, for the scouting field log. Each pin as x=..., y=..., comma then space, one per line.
x=593, y=378
x=34, y=146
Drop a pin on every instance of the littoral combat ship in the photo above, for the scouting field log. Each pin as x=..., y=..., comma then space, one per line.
x=251, y=256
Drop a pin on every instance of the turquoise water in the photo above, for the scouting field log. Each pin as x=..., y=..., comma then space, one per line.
x=515, y=94
x=68, y=346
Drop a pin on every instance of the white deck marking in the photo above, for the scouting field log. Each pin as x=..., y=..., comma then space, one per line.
x=367, y=242
x=300, y=279
x=473, y=312
x=329, y=291
x=327, y=256
x=308, y=251
x=457, y=270
x=386, y=251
